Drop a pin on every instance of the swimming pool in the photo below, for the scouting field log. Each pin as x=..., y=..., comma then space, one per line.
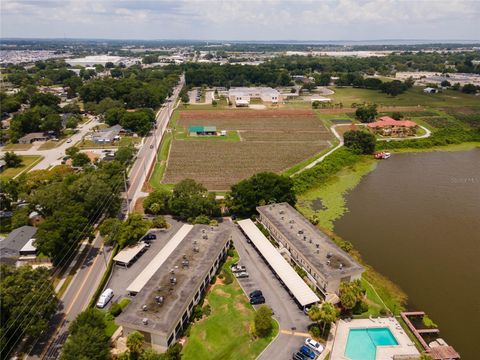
x=362, y=343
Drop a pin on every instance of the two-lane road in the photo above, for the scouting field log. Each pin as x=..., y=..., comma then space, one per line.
x=146, y=156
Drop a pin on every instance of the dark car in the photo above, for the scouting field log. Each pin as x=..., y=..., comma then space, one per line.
x=255, y=293
x=149, y=237
x=305, y=350
x=298, y=356
x=257, y=300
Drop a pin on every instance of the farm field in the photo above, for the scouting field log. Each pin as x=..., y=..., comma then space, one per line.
x=270, y=140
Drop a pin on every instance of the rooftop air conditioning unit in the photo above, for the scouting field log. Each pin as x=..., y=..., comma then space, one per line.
x=173, y=280
x=340, y=266
x=145, y=321
x=159, y=300
x=144, y=307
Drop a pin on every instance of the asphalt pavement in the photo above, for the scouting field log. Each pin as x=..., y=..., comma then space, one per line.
x=292, y=321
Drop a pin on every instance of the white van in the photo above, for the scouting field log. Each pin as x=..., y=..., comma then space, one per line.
x=103, y=300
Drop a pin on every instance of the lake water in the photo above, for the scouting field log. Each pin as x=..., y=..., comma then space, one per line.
x=416, y=219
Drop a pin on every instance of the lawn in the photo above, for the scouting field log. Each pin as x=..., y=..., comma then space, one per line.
x=124, y=141
x=160, y=165
x=50, y=144
x=413, y=97
x=226, y=332
x=28, y=161
x=15, y=147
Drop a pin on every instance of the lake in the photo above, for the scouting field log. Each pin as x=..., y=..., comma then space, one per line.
x=416, y=219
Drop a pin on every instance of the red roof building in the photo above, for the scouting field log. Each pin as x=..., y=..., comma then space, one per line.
x=387, y=126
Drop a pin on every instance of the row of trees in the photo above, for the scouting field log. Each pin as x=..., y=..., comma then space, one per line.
x=20, y=288
x=191, y=201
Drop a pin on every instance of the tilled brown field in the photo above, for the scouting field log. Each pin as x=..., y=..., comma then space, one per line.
x=272, y=140
x=218, y=165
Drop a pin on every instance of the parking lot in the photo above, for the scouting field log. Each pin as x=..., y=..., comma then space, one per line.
x=293, y=322
x=122, y=276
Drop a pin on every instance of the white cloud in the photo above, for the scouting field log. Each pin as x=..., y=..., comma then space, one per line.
x=243, y=19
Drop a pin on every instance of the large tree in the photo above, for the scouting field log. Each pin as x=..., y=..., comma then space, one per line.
x=12, y=160
x=260, y=189
x=157, y=202
x=360, y=141
x=191, y=199
x=87, y=338
x=366, y=113
x=263, y=321
x=350, y=294
x=27, y=302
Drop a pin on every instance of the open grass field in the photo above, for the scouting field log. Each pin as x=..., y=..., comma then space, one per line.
x=270, y=140
x=226, y=332
x=16, y=147
x=28, y=161
x=413, y=97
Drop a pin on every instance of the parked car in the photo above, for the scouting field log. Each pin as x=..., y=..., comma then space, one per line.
x=149, y=237
x=257, y=300
x=242, y=274
x=255, y=293
x=298, y=356
x=305, y=350
x=103, y=300
x=69, y=141
x=314, y=345
x=238, y=268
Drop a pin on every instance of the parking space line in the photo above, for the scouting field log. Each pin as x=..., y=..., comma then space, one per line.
x=294, y=333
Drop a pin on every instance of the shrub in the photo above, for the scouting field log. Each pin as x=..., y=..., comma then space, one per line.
x=315, y=330
x=197, y=312
x=207, y=310
x=159, y=222
x=228, y=277
x=115, y=309
x=360, y=307
x=200, y=219
x=213, y=280
x=263, y=321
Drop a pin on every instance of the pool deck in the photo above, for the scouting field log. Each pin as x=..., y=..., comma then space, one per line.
x=405, y=345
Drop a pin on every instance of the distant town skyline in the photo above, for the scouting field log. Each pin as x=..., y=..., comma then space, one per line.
x=269, y=20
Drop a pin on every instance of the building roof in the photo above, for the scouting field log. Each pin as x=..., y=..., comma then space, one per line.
x=163, y=318
x=32, y=136
x=198, y=128
x=29, y=247
x=10, y=246
x=252, y=91
x=108, y=133
x=388, y=121
x=159, y=259
x=295, y=284
x=315, y=246
x=128, y=254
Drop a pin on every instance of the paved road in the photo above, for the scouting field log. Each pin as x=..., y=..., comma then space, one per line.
x=147, y=155
x=54, y=156
x=293, y=322
x=74, y=301
x=88, y=277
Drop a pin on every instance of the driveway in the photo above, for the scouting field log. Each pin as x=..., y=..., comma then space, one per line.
x=122, y=277
x=293, y=322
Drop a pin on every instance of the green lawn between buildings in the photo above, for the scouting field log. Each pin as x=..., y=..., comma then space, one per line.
x=28, y=161
x=226, y=332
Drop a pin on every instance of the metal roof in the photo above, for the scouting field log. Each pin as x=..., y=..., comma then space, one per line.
x=128, y=254
x=159, y=259
x=197, y=128
x=282, y=268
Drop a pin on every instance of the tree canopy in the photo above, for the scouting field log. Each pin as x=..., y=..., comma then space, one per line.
x=360, y=141
x=27, y=302
x=366, y=113
x=260, y=189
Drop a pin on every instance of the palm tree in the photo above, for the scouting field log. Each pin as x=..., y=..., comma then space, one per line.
x=325, y=314
x=135, y=343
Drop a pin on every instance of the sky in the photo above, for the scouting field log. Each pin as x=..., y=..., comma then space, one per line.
x=242, y=19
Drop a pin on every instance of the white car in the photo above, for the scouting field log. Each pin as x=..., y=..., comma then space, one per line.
x=69, y=141
x=242, y=274
x=238, y=268
x=314, y=345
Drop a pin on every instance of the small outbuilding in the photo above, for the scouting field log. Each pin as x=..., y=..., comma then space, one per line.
x=32, y=137
x=430, y=90
x=196, y=130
